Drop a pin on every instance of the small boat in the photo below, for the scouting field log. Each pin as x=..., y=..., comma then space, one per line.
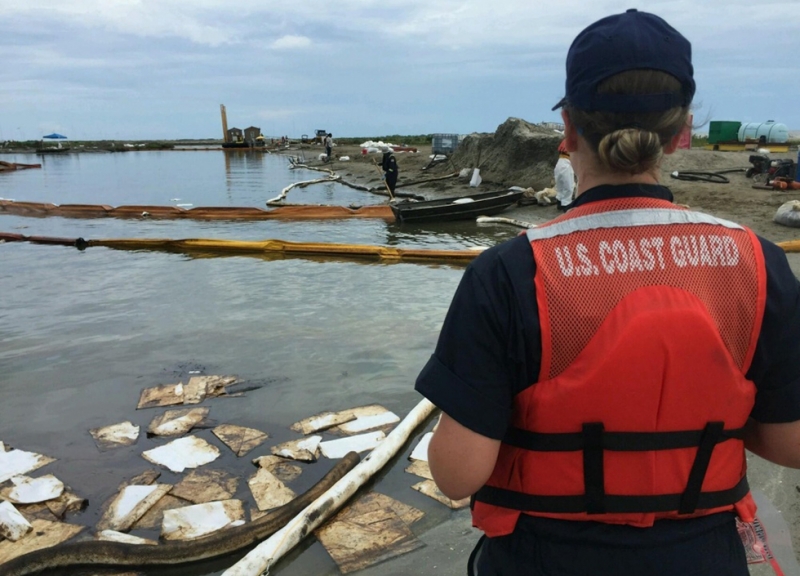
x=11, y=166
x=456, y=208
x=52, y=150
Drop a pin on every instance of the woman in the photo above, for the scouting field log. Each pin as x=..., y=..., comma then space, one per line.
x=601, y=376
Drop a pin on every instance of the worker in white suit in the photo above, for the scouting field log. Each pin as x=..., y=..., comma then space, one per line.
x=565, y=179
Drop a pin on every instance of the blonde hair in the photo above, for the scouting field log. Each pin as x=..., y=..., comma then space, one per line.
x=632, y=142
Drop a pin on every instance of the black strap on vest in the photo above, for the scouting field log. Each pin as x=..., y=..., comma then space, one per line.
x=593, y=473
x=592, y=441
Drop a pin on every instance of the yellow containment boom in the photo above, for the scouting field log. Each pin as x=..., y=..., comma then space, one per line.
x=276, y=249
x=290, y=212
x=268, y=249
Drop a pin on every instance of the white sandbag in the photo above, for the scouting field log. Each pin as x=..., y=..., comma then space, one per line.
x=344, y=158
x=788, y=214
x=476, y=178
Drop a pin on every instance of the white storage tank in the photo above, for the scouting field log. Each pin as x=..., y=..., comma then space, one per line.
x=770, y=131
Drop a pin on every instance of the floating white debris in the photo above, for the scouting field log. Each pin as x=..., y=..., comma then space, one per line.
x=268, y=491
x=114, y=536
x=27, y=490
x=195, y=390
x=16, y=462
x=284, y=471
x=43, y=535
x=360, y=412
x=130, y=505
x=305, y=449
x=361, y=443
x=206, y=486
x=143, y=479
x=201, y=519
x=429, y=488
x=164, y=395
x=176, y=422
x=420, y=452
x=369, y=531
x=67, y=502
x=239, y=438
x=13, y=525
x=322, y=421
x=155, y=516
x=364, y=423
x=420, y=468
x=189, y=452
x=123, y=434
x=214, y=385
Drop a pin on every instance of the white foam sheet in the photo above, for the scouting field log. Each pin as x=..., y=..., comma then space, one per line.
x=114, y=536
x=122, y=434
x=420, y=452
x=17, y=462
x=364, y=423
x=201, y=519
x=29, y=490
x=304, y=449
x=13, y=525
x=183, y=453
x=360, y=443
x=130, y=505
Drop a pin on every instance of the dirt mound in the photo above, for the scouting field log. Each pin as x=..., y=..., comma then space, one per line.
x=517, y=154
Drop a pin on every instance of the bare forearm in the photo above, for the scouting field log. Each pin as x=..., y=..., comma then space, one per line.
x=778, y=443
x=461, y=460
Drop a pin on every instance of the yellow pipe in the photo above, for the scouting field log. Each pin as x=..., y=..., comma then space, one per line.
x=789, y=245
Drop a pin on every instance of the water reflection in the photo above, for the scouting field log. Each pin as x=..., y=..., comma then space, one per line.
x=81, y=333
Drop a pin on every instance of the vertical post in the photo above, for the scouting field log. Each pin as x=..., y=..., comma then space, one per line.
x=224, y=122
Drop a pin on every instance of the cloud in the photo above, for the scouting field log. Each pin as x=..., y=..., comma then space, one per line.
x=291, y=42
x=355, y=66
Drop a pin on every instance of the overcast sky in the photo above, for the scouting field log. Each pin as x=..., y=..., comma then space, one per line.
x=149, y=69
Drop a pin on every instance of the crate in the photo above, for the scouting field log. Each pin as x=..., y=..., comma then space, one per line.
x=444, y=143
x=723, y=131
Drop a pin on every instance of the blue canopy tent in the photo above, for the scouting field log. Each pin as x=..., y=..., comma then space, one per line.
x=53, y=136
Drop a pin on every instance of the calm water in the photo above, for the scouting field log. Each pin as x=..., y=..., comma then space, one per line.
x=82, y=333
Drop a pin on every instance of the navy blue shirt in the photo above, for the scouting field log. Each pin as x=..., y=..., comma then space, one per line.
x=490, y=345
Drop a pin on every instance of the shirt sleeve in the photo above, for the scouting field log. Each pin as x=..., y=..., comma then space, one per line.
x=488, y=348
x=776, y=363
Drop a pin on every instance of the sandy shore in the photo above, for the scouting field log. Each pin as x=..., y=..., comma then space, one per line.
x=737, y=201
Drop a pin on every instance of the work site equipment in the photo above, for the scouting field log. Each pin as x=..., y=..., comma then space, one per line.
x=765, y=170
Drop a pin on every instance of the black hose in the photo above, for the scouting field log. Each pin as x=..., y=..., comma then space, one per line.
x=715, y=177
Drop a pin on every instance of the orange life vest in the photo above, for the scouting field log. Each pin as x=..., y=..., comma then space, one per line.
x=649, y=318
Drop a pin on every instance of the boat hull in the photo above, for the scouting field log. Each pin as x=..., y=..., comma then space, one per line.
x=456, y=208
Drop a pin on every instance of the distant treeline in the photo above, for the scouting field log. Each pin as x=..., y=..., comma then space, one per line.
x=117, y=145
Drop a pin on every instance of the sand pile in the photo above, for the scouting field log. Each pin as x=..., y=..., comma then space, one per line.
x=517, y=154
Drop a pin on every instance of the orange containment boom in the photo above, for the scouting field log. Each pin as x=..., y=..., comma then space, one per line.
x=262, y=248
x=292, y=212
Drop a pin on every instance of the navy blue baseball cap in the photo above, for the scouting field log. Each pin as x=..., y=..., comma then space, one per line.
x=632, y=40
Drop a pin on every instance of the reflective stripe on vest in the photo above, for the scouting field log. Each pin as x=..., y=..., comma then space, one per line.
x=649, y=317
